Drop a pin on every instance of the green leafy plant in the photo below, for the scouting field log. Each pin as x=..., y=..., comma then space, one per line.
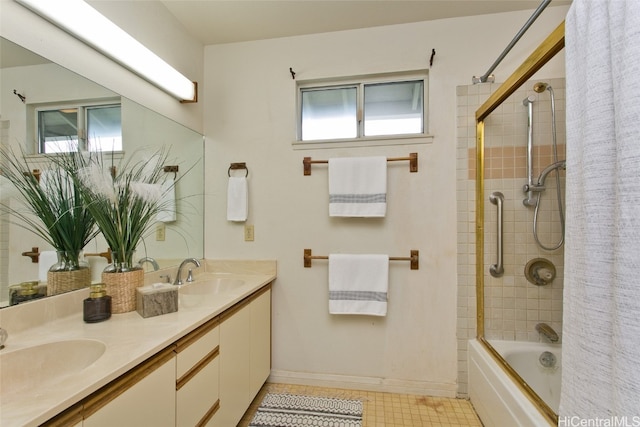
x=124, y=200
x=51, y=207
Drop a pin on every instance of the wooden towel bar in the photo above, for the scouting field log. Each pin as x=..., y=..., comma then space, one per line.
x=413, y=162
x=414, y=258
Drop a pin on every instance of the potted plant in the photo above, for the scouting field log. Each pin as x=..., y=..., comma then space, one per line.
x=124, y=201
x=52, y=207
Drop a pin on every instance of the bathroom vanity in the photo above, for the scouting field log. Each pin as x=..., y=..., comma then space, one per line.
x=201, y=365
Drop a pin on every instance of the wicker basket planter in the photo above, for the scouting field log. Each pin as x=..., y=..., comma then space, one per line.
x=121, y=286
x=59, y=282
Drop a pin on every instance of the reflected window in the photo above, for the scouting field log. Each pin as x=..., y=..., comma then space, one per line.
x=368, y=108
x=58, y=130
x=104, y=128
x=79, y=128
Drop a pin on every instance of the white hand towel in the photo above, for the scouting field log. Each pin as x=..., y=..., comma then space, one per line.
x=237, y=199
x=358, y=284
x=358, y=187
x=167, y=202
x=46, y=260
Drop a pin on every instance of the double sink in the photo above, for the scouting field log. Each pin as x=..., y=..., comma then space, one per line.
x=50, y=363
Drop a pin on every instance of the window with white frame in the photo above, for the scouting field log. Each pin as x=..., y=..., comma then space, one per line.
x=372, y=107
x=79, y=127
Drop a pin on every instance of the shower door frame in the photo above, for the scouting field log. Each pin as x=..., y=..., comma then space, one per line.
x=553, y=44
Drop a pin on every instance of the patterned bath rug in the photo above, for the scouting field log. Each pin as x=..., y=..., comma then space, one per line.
x=289, y=410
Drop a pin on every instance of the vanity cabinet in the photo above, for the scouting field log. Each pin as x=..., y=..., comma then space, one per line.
x=143, y=396
x=207, y=378
x=197, y=372
x=245, y=355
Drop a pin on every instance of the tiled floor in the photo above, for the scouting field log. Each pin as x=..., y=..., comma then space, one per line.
x=385, y=409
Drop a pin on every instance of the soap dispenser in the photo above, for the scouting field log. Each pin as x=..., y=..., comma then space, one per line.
x=25, y=291
x=98, y=306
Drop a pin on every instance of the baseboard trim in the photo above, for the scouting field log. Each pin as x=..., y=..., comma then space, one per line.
x=423, y=388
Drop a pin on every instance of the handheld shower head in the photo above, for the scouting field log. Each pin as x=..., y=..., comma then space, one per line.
x=540, y=87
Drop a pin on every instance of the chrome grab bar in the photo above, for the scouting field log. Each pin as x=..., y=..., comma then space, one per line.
x=497, y=198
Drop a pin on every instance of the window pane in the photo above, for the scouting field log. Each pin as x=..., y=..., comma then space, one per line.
x=393, y=108
x=329, y=114
x=104, y=128
x=58, y=130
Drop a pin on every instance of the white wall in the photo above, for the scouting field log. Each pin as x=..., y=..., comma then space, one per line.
x=149, y=22
x=250, y=117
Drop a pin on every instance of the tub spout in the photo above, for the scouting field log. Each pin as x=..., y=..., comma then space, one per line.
x=547, y=332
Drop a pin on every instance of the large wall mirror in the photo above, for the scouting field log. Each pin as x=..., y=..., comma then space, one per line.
x=42, y=83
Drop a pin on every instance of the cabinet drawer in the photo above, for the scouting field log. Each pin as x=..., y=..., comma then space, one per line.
x=143, y=396
x=196, y=346
x=198, y=396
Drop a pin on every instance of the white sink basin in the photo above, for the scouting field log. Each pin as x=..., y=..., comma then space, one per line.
x=192, y=294
x=217, y=285
x=34, y=367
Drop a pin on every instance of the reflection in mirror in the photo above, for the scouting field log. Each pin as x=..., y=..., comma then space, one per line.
x=45, y=86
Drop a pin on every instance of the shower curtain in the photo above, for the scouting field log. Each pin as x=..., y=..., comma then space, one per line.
x=601, y=327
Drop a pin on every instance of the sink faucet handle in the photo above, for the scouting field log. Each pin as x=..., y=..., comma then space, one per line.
x=3, y=337
x=190, y=276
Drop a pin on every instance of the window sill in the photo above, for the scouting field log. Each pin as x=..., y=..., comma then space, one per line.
x=39, y=159
x=114, y=154
x=363, y=142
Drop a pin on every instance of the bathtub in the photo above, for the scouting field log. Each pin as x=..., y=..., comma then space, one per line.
x=498, y=400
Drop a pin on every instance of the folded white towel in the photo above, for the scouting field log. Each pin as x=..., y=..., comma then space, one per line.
x=358, y=187
x=46, y=260
x=358, y=284
x=237, y=199
x=167, y=202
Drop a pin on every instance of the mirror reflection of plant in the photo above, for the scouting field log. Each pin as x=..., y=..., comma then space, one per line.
x=60, y=216
x=124, y=205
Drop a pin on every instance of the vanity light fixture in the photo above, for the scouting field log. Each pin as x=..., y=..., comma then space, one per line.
x=87, y=24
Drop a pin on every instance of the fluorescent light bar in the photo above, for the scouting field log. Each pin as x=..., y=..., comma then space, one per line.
x=87, y=24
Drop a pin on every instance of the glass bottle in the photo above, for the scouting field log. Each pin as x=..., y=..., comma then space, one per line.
x=122, y=262
x=69, y=261
x=97, y=307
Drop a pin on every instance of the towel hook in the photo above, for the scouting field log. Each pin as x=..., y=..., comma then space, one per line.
x=236, y=166
x=172, y=168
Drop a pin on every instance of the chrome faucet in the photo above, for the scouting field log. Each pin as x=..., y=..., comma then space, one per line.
x=547, y=332
x=150, y=260
x=178, y=280
x=3, y=337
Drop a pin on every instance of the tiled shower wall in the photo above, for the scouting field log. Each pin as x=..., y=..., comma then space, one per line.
x=513, y=306
x=4, y=229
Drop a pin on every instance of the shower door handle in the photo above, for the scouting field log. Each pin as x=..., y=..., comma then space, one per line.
x=497, y=198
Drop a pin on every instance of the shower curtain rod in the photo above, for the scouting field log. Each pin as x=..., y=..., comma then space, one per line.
x=488, y=77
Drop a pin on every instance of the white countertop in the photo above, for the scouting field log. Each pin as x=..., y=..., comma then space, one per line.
x=129, y=339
